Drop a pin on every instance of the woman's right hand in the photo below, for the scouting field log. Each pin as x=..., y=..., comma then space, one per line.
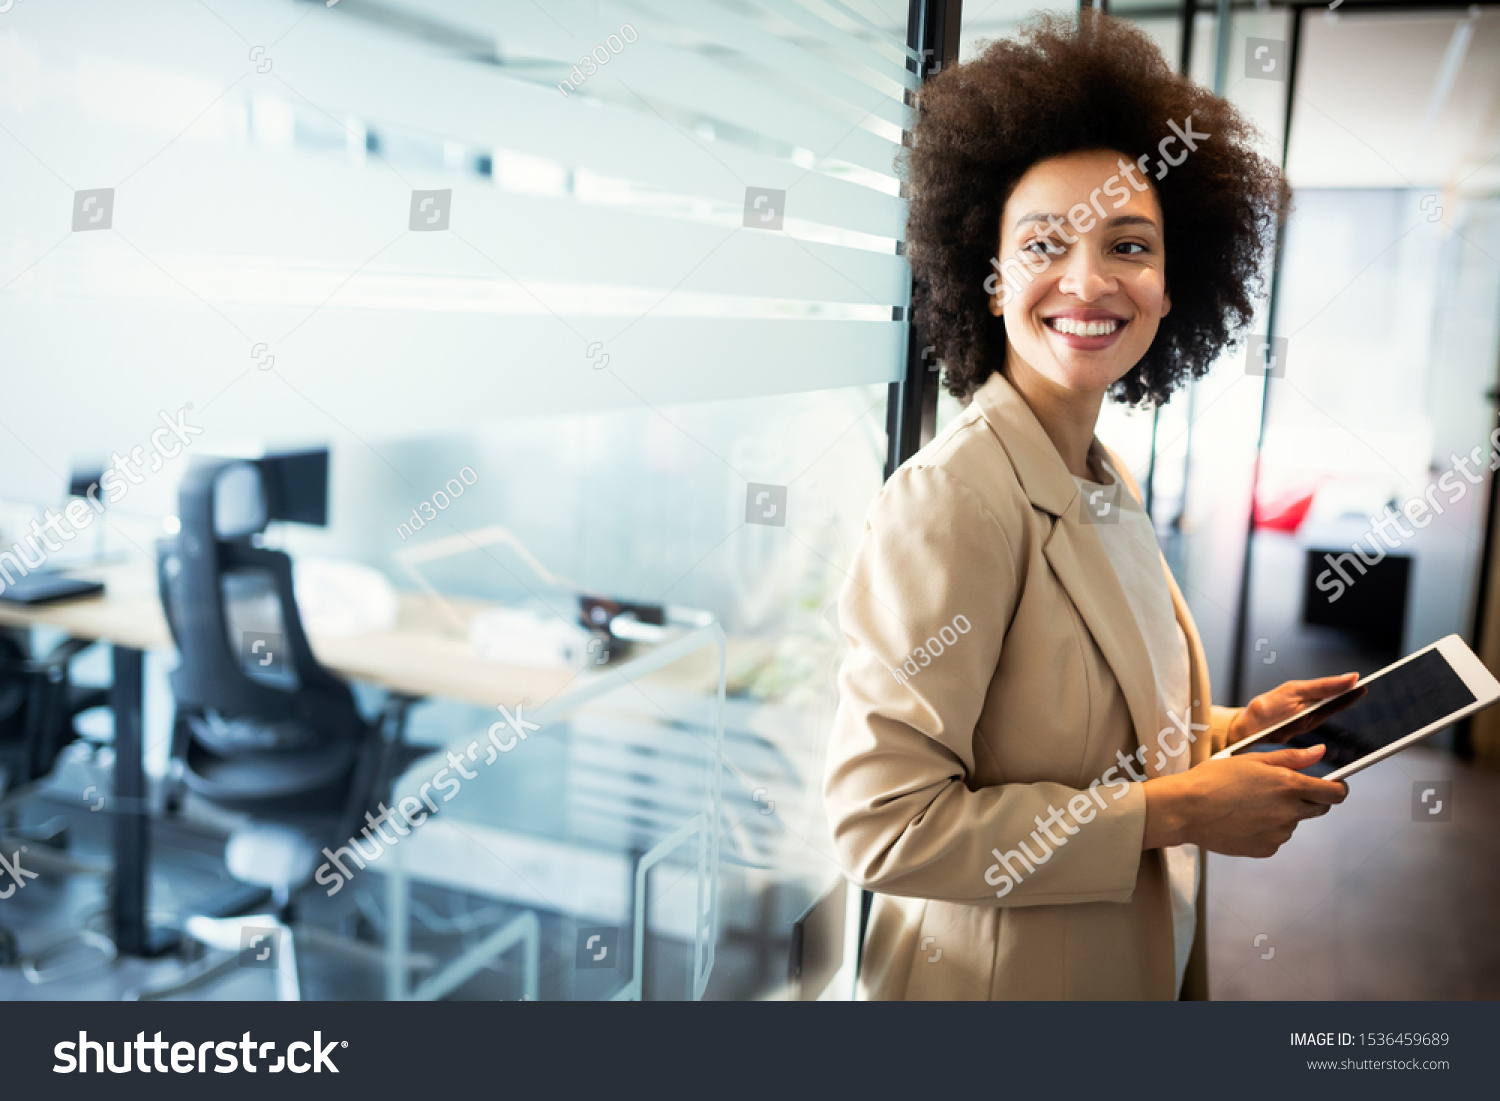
x=1247, y=805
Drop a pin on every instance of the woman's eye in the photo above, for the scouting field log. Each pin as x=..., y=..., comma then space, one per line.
x=1135, y=247
x=1044, y=246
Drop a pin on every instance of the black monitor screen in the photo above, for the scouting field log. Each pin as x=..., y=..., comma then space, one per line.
x=296, y=485
x=81, y=481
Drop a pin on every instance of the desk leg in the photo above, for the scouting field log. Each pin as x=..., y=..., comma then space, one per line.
x=133, y=936
x=397, y=929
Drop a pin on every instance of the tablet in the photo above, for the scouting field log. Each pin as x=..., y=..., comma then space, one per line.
x=1385, y=712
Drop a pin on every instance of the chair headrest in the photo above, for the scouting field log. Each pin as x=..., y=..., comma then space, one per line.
x=239, y=501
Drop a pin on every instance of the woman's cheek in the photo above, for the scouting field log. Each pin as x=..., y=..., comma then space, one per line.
x=1151, y=294
x=1022, y=304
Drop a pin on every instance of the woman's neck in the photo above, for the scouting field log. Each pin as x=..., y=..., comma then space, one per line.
x=1067, y=416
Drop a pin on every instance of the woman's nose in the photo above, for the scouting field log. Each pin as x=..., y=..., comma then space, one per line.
x=1085, y=277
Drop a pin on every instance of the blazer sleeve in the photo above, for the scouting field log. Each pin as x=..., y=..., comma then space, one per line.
x=904, y=818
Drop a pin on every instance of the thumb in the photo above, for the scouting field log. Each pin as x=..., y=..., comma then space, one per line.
x=1297, y=757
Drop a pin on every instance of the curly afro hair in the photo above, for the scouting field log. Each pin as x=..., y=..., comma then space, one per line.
x=1065, y=86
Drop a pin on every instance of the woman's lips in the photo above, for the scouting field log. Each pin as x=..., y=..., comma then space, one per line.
x=1077, y=338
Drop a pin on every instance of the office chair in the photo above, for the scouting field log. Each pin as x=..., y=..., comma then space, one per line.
x=38, y=703
x=261, y=728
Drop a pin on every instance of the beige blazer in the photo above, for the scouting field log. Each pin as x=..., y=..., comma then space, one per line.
x=945, y=758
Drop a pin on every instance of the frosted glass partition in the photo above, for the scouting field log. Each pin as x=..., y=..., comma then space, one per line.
x=624, y=779
x=624, y=203
x=584, y=334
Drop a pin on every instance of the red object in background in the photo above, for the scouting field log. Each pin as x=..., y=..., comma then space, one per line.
x=1286, y=512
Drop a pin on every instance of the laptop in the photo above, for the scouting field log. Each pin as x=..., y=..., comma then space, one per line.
x=45, y=588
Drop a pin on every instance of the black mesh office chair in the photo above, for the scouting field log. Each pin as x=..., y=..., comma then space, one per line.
x=38, y=703
x=261, y=728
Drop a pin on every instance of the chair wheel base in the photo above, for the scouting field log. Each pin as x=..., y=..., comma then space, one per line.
x=151, y=944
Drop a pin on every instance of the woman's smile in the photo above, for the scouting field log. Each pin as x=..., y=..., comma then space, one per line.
x=1085, y=330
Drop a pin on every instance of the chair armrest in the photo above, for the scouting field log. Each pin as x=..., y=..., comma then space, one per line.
x=393, y=716
x=66, y=651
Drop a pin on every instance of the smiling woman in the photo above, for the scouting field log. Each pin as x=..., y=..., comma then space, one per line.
x=1054, y=268
x=1096, y=308
x=1183, y=152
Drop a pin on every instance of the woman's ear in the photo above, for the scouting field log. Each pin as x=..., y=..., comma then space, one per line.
x=995, y=307
x=1166, y=302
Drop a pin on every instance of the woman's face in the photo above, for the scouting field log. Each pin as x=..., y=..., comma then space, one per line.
x=1082, y=285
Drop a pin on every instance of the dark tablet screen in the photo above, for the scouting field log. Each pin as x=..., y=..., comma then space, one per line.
x=1379, y=711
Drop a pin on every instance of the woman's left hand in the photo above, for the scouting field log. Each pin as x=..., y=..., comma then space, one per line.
x=1284, y=701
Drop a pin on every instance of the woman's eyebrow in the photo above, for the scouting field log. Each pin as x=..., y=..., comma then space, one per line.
x=1117, y=220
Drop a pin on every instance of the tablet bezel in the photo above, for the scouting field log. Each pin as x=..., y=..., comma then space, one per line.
x=1462, y=660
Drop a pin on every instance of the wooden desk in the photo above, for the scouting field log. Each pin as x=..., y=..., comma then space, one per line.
x=423, y=655
x=128, y=613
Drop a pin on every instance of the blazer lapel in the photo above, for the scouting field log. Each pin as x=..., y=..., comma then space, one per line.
x=1074, y=550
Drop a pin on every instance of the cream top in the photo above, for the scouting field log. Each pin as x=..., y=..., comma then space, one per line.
x=1128, y=538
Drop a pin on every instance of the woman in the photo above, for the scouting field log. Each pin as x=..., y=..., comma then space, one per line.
x=1019, y=764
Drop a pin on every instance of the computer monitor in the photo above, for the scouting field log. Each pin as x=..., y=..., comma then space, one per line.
x=296, y=486
x=82, y=479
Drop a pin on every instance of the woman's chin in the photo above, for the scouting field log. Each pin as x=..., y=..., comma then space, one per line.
x=1089, y=376
x=1080, y=370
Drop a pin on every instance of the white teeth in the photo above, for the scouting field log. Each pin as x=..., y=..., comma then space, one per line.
x=1084, y=328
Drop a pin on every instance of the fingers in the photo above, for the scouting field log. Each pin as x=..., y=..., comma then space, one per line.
x=1307, y=808
x=1310, y=789
x=1292, y=696
x=1325, y=793
x=1323, y=687
x=1296, y=758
